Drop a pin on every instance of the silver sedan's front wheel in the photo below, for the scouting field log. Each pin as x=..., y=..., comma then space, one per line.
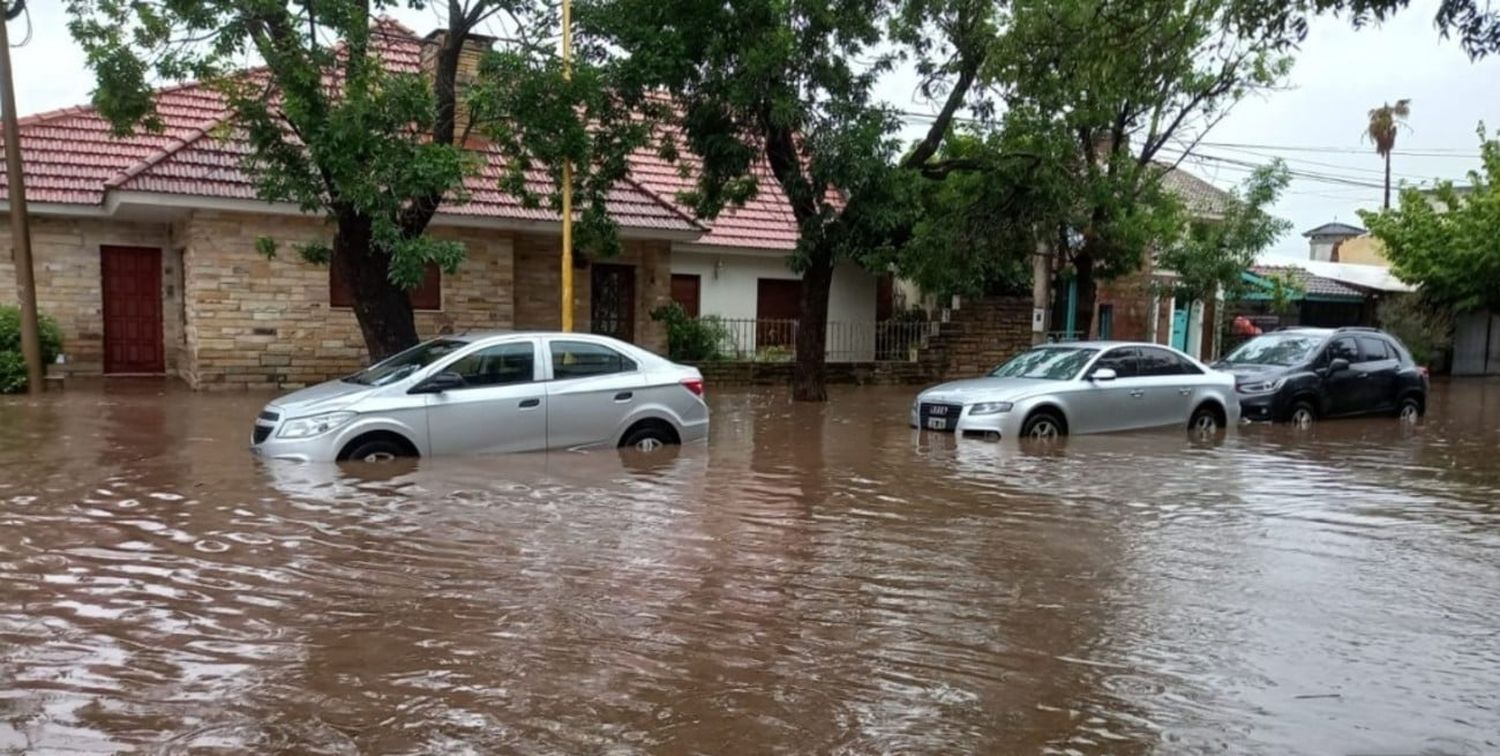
x=1043, y=426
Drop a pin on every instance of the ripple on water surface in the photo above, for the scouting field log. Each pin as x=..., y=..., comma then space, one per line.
x=818, y=579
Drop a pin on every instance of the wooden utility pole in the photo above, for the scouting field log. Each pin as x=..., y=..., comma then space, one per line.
x=20, y=230
x=567, y=179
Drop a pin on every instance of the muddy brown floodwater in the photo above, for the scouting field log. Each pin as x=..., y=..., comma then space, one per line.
x=818, y=579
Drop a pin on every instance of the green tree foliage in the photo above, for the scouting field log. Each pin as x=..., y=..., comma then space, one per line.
x=1132, y=85
x=1448, y=243
x=375, y=152
x=12, y=363
x=689, y=339
x=786, y=84
x=1214, y=253
x=974, y=231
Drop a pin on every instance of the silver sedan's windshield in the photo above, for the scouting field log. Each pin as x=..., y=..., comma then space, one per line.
x=1053, y=363
x=401, y=365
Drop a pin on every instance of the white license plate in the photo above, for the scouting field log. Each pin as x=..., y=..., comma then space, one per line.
x=937, y=423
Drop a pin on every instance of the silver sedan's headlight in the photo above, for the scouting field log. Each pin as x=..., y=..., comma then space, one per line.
x=1264, y=387
x=990, y=408
x=313, y=425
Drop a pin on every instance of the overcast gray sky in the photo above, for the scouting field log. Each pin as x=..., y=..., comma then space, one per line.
x=1340, y=74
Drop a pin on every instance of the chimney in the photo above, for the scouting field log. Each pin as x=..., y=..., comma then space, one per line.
x=469, y=58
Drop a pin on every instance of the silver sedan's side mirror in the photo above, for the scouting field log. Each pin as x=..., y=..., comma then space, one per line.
x=1103, y=374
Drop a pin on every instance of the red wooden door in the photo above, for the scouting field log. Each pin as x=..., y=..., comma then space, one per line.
x=131, y=284
x=686, y=291
x=778, y=304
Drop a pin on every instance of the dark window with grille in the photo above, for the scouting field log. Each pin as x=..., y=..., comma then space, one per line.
x=428, y=295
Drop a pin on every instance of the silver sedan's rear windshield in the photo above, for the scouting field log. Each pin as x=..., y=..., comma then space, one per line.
x=1053, y=363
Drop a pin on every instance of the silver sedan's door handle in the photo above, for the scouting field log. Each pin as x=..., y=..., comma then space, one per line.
x=1137, y=394
x=624, y=396
x=1184, y=391
x=529, y=403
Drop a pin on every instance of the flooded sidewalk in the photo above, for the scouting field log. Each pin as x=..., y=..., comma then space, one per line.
x=817, y=579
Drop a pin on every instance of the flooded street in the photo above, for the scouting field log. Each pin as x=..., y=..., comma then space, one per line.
x=818, y=579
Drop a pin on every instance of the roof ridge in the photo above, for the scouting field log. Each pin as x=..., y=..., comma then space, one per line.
x=155, y=158
x=388, y=24
x=670, y=206
x=47, y=115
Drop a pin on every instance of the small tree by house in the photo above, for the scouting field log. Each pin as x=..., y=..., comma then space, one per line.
x=1449, y=243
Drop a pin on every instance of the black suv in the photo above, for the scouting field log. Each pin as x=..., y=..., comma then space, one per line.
x=1298, y=375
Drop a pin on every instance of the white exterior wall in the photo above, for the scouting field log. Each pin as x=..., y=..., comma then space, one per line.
x=728, y=282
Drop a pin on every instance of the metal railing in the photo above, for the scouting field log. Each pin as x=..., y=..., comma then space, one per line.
x=772, y=340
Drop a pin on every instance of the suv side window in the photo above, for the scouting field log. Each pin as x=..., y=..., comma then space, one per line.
x=1343, y=349
x=1372, y=349
x=581, y=359
x=499, y=365
x=1122, y=360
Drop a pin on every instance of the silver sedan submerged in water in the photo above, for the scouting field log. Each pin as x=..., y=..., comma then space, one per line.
x=490, y=393
x=1084, y=387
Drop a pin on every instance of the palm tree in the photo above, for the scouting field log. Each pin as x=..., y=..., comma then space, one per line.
x=1384, y=121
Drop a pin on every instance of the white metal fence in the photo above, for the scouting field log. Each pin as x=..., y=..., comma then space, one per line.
x=776, y=340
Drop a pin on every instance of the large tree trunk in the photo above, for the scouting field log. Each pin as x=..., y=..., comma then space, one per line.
x=809, y=374
x=382, y=308
x=1088, y=288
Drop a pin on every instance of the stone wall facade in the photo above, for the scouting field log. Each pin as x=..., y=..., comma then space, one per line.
x=258, y=322
x=233, y=319
x=538, y=281
x=66, y=265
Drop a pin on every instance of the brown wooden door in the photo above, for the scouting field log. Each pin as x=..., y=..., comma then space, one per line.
x=131, y=287
x=778, y=303
x=612, y=301
x=687, y=290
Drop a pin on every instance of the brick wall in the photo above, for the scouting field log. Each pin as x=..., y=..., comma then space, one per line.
x=1130, y=299
x=979, y=335
x=65, y=261
x=258, y=322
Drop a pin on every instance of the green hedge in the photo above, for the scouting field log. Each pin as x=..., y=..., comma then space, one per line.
x=691, y=339
x=12, y=364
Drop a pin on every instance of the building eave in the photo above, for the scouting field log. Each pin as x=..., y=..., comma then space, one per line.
x=139, y=205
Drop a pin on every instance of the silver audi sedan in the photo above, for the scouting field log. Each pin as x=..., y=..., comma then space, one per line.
x=486, y=393
x=1084, y=387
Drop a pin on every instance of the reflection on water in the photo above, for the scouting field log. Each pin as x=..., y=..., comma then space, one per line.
x=818, y=579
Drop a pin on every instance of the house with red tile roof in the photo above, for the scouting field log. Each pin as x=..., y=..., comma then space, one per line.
x=145, y=251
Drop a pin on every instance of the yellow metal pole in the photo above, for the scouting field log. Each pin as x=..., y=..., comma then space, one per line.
x=567, y=179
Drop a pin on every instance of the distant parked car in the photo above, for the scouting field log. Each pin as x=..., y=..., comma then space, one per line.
x=1083, y=387
x=490, y=393
x=1300, y=375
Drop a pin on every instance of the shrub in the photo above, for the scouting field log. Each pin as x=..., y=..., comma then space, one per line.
x=1426, y=331
x=12, y=363
x=691, y=339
